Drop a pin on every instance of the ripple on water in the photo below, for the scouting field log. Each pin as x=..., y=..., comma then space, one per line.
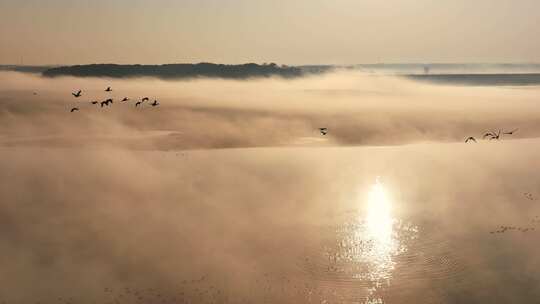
x=351, y=258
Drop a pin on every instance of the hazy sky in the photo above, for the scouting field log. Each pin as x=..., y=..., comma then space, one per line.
x=290, y=32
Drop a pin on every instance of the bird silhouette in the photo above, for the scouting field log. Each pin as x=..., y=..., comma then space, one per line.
x=496, y=136
x=490, y=134
x=94, y=102
x=106, y=102
x=510, y=132
x=138, y=103
x=78, y=94
x=74, y=109
x=155, y=103
x=125, y=99
x=529, y=196
x=108, y=89
x=109, y=101
x=145, y=99
x=323, y=131
x=470, y=139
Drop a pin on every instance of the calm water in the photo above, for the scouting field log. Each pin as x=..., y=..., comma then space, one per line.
x=327, y=225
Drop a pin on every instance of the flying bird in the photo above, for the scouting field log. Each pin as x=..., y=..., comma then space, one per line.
x=108, y=89
x=106, y=102
x=323, y=131
x=74, y=109
x=510, y=132
x=94, y=102
x=155, y=103
x=138, y=103
x=496, y=136
x=109, y=101
x=470, y=139
x=125, y=99
x=145, y=99
x=488, y=134
x=78, y=94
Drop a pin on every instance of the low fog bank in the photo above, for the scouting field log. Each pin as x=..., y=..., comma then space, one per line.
x=357, y=109
x=253, y=225
x=103, y=203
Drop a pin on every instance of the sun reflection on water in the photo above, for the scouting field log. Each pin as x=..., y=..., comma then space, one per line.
x=379, y=229
x=369, y=243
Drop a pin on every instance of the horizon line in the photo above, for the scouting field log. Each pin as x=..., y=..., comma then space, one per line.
x=280, y=64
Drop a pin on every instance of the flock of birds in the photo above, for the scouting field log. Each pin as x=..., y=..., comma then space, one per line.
x=488, y=135
x=529, y=196
x=323, y=131
x=491, y=135
x=503, y=229
x=535, y=220
x=109, y=101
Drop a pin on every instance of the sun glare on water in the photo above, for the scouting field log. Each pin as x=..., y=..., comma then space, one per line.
x=369, y=243
x=379, y=218
x=379, y=232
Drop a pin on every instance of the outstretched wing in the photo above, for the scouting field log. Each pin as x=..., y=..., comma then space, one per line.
x=511, y=132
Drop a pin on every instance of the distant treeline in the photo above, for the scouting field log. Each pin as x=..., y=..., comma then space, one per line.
x=173, y=71
x=24, y=68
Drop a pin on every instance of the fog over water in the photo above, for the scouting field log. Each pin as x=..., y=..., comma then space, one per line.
x=227, y=192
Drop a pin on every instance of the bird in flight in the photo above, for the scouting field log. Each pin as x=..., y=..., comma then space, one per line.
x=94, y=102
x=125, y=99
x=78, y=94
x=496, y=136
x=492, y=135
x=488, y=134
x=510, y=132
x=155, y=103
x=138, y=103
x=74, y=109
x=145, y=99
x=323, y=131
x=108, y=89
x=106, y=102
x=470, y=138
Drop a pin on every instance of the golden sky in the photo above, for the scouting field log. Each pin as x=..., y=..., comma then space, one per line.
x=289, y=32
